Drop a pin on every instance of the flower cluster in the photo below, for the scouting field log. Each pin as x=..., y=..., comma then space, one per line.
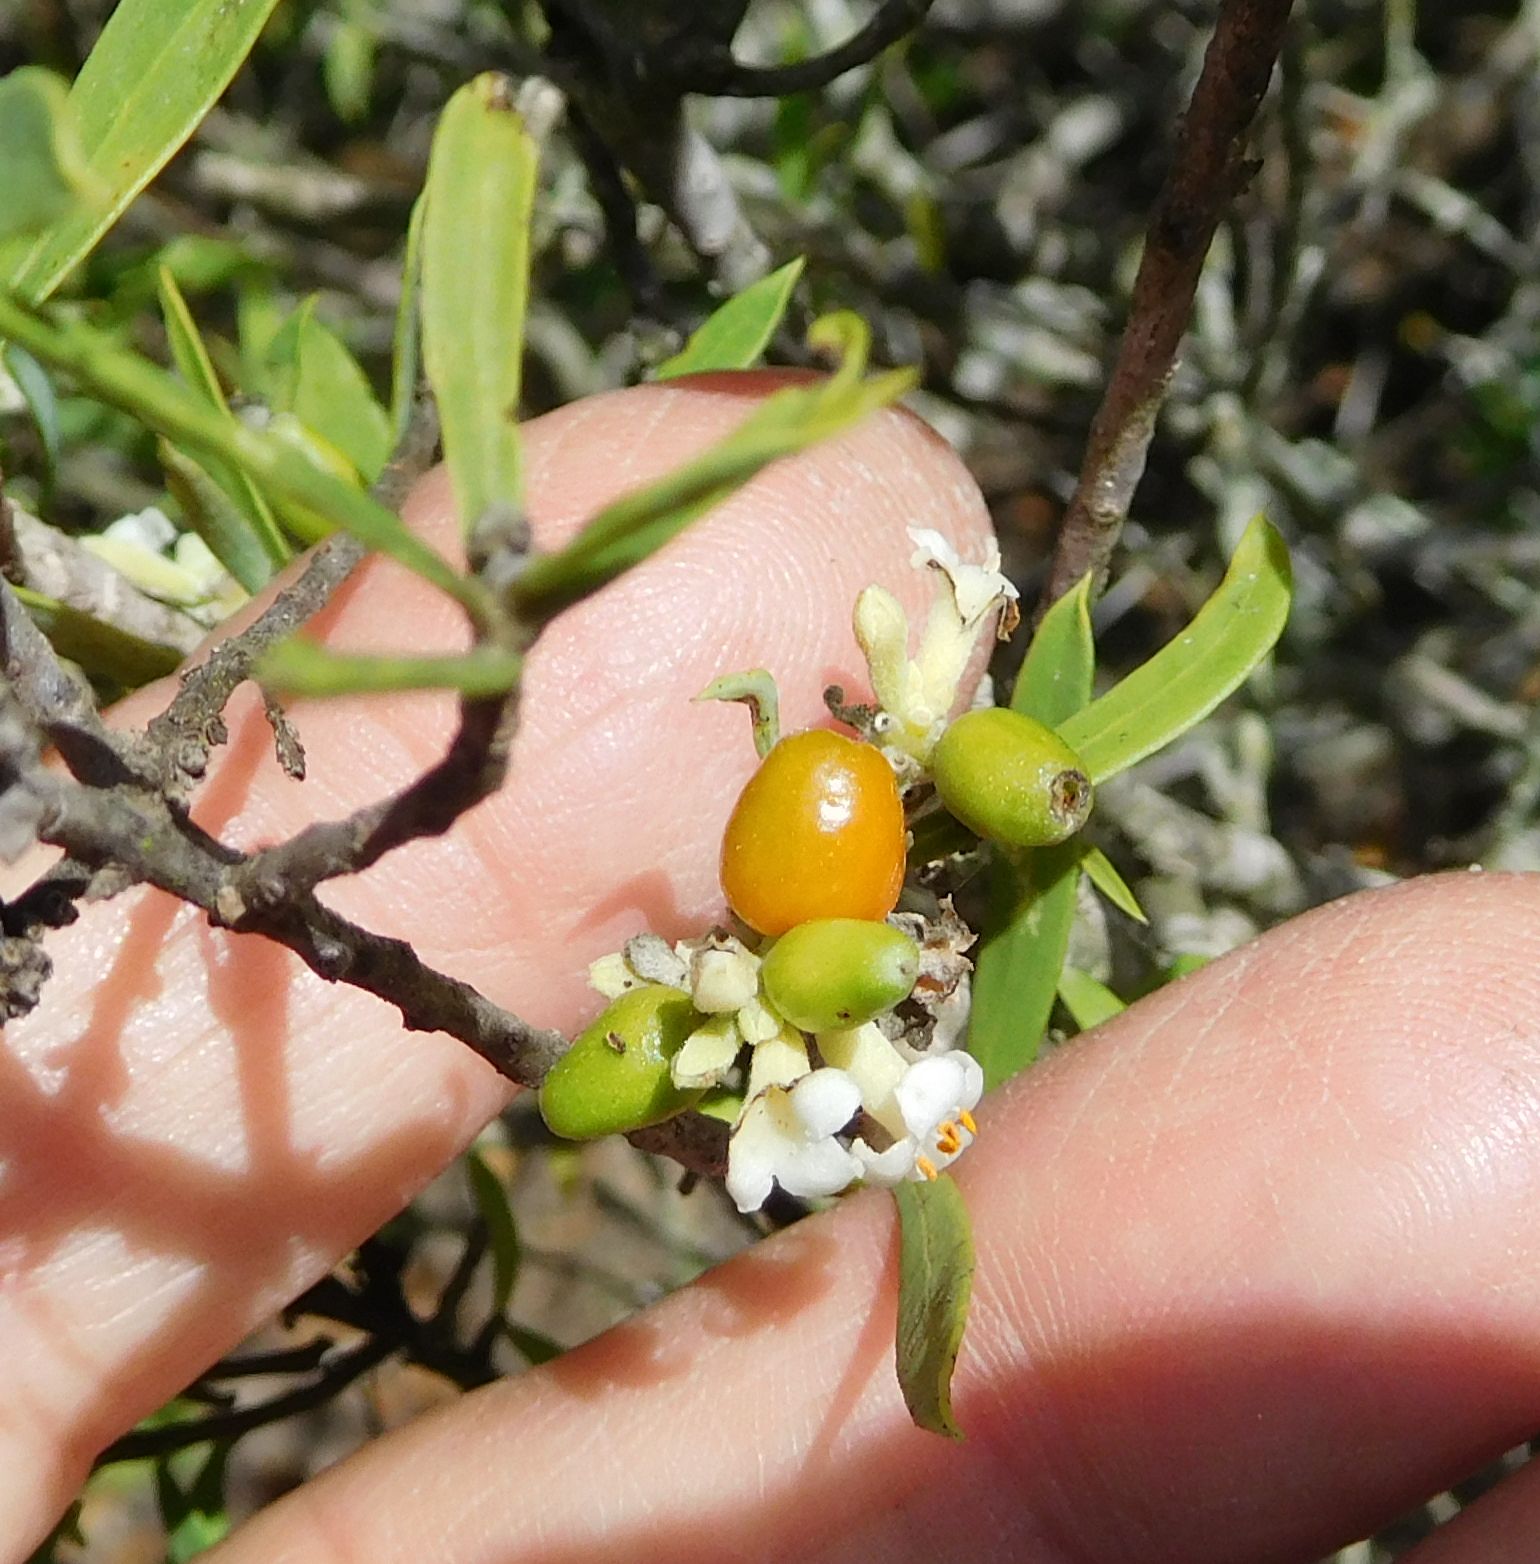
x=818, y=1112
x=827, y=1082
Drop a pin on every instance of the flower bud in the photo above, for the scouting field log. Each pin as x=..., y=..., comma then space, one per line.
x=1010, y=779
x=839, y=972
x=615, y=1077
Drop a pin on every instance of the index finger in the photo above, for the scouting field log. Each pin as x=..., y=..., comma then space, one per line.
x=194, y=1127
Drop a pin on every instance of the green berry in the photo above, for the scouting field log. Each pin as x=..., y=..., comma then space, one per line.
x=615, y=1077
x=839, y=972
x=1010, y=779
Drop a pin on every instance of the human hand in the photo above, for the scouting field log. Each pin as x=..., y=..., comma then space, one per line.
x=1255, y=1262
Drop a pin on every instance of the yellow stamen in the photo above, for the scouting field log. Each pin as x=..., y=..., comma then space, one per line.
x=927, y=1167
x=968, y=1122
x=948, y=1141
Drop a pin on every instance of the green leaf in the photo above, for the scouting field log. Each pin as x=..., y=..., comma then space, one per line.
x=475, y=289
x=37, y=391
x=155, y=71
x=1187, y=678
x=935, y=1282
x=210, y=512
x=405, y=354
x=347, y=68
x=105, y=652
x=319, y=381
x=245, y=539
x=1103, y=874
x=1089, y=1002
x=298, y=667
x=1056, y=674
x=1183, y=964
x=502, y=1233
x=1020, y=958
x=1032, y=897
x=188, y=352
x=193, y=1511
x=321, y=500
x=536, y=1347
x=735, y=334
x=626, y=531
x=44, y=176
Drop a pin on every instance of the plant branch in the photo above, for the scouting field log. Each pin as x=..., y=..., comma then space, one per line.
x=723, y=76
x=334, y=1377
x=1209, y=169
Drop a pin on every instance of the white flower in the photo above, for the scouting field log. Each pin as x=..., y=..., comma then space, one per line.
x=935, y=1099
x=786, y=1137
x=919, y=694
x=925, y=1106
x=975, y=588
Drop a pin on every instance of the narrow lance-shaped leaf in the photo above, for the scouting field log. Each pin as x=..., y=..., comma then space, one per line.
x=103, y=650
x=300, y=667
x=1103, y=874
x=1089, y=1002
x=44, y=175
x=37, y=391
x=405, y=352
x=1032, y=897
x=502, y=1233
x=209, y=511
x=154, y=72
x=246, y=540
x=1187, y=678
x=1020, y=957
x=626, y=531
x=935, y=1282
x=1054, y=681
x=735, y=334
x=285, y=468
x=318, y=380
x=536, y=1347
x=194, y=1511
x=475, y=289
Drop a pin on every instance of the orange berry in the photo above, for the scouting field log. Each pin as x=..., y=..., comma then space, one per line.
x=817, y=833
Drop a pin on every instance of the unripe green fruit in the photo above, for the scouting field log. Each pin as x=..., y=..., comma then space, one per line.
x=839, y=972
x=1011, y=779
x=615, y=1077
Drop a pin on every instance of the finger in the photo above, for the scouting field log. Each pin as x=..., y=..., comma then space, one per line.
x=193, y=1127
x=1257, y=1266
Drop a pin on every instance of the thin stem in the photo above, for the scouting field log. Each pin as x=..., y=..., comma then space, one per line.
x=1209, y=168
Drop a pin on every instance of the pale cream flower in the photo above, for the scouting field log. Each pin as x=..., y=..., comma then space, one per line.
x=707, y=1054
x=611, y=975
x=723, y=977
x=918, y=694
